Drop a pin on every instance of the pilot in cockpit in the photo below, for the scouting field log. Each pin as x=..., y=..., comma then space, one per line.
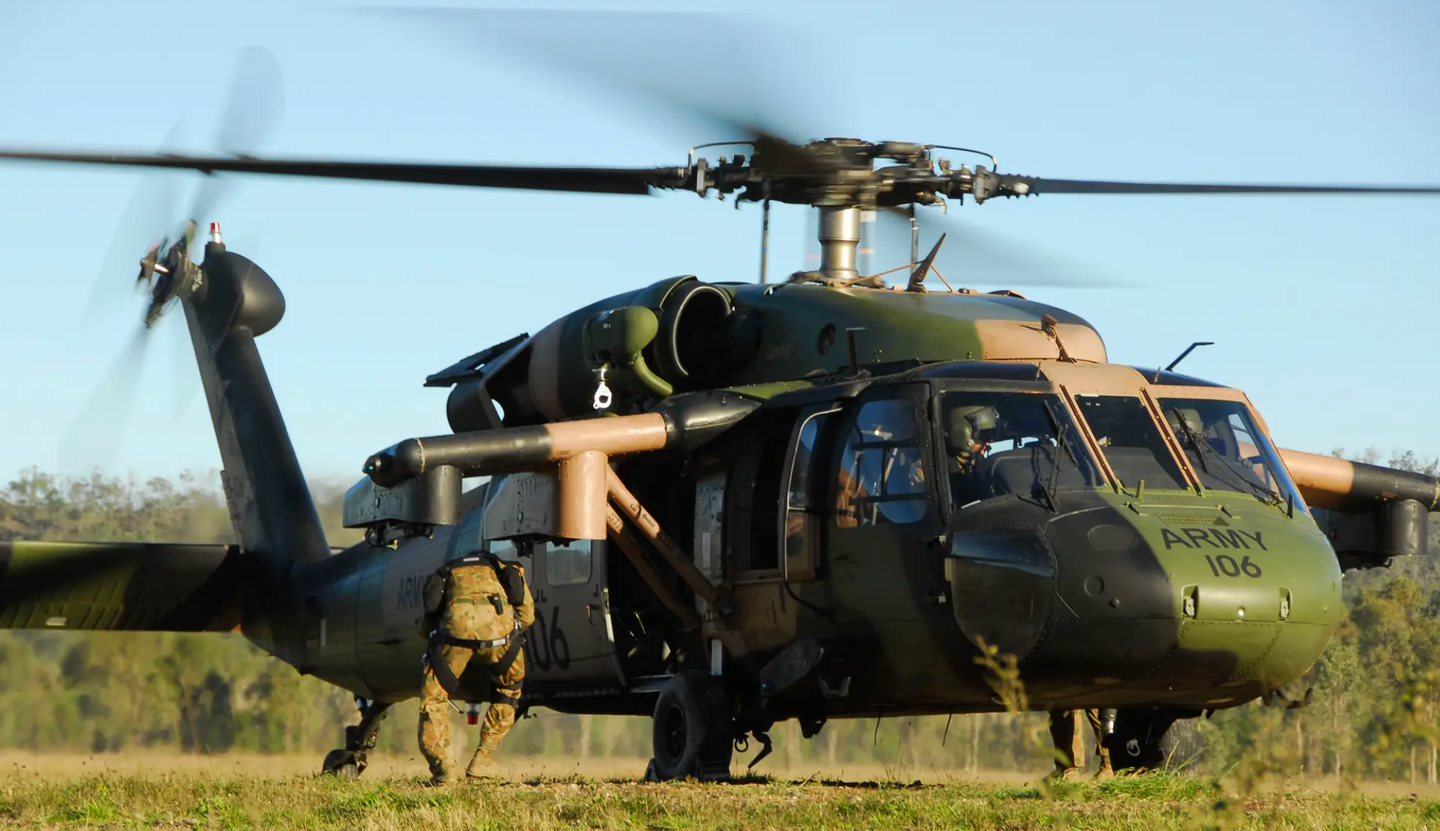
x=969, y=432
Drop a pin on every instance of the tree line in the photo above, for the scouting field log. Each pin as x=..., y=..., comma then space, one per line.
x=1373, y=714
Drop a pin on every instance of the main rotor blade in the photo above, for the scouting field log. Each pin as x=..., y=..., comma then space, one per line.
x=1088, y=186
x=668, y=60
x=637, y=181
x=253, y=109
x=974, y=256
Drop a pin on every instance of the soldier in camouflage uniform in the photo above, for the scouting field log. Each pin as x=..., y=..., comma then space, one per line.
x=476, y=620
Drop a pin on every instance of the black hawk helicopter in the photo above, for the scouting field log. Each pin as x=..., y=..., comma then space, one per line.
x=746, y=502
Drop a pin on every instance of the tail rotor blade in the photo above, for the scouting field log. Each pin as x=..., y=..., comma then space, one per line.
x=185, y=383
x=254, y=107
x=99, y=427
x=153, y=209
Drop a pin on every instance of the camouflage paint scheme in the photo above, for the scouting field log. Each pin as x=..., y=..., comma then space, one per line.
x=910, y=655
x=1110, y=621
x=119, y=586
x=469, y=615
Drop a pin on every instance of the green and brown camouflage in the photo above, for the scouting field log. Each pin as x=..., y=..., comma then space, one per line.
x=83, y=586
x=853, y=491
x=475, y=609
x=1136, y=541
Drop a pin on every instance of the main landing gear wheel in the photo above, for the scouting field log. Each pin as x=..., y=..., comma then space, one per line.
x=693, y=730
x=349, y=762
x=1136, y=743
x=342, y=763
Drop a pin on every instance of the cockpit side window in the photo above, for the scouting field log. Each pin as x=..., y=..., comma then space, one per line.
x=1227, y=450
x=1131, y=441
x=1010, y=443
x=882, y=467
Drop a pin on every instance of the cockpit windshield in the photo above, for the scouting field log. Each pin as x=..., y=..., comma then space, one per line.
x=1226, y=449
x=1131, y=442
x=999, y=443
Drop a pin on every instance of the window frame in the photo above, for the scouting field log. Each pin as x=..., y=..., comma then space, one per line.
x=819, y=494
x=1233, y=396
x=1081, y=441
x=1148, y=406
x=917, y=396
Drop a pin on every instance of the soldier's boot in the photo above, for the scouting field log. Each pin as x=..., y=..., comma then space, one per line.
x=482, y=764
x=498, y=721
x=1105, y=771
x=1064, y=772
x=442, y=774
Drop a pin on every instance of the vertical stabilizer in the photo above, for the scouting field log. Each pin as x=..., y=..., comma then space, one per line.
x=234, y=302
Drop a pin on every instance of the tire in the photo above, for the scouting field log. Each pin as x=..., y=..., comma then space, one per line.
x=692, y=729
x=341, y=763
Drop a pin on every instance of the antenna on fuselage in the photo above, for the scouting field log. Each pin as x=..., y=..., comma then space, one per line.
x=1174, y=363
x=923, y=268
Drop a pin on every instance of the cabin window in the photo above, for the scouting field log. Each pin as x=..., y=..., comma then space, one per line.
x=1010, y=443
x=1131, y=441
x=808, y=468
x=882, y=470
x=804, y=501
x=1226, y=449
x=567, y=564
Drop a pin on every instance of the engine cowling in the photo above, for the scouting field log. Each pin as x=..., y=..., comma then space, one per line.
x=677, y=335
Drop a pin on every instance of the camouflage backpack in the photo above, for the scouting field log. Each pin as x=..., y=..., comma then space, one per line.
x=433, y=594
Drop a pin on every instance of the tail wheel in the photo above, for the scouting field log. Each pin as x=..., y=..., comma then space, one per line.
x=693, y=730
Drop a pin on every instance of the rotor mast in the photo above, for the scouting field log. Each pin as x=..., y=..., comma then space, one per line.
x=839, y=238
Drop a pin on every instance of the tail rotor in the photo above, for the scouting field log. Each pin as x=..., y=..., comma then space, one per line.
x=251, y=112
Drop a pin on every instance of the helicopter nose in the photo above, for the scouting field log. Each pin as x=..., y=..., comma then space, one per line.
x=1202, y=619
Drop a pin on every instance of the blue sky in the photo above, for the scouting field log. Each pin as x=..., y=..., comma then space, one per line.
x=1320, y=307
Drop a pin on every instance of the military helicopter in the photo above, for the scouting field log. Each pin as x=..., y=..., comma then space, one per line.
x=746, y=502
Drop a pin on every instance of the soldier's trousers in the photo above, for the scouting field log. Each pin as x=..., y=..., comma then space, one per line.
x=435, y=721
x=1070, y=742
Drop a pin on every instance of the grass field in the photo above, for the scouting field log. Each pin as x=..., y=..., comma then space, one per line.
x=79, y=792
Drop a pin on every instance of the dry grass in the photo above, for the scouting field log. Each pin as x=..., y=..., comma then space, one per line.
x=140, y=791
x=20, y=766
